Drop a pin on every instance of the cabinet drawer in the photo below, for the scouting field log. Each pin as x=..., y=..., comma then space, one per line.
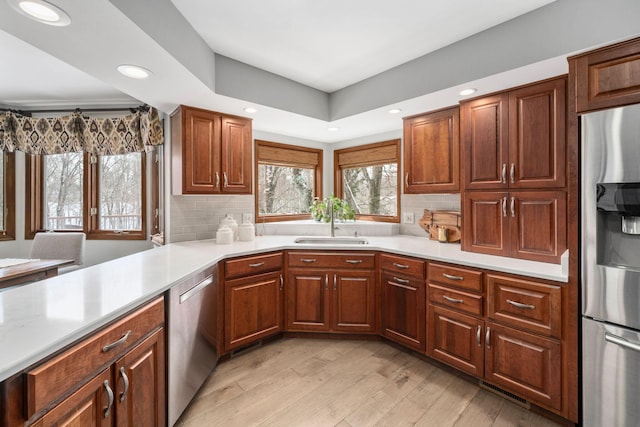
x=248, y=266
x=455, y=276
x=525, y=304
x=457, y=300
x=348, y=260
x=402, y=265
x=60, y=375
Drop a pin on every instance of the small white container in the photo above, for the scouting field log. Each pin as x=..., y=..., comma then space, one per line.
x=224, y=235
x=246, y=231
x=231, y=223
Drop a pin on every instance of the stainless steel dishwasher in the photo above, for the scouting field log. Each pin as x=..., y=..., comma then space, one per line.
x=193, y=338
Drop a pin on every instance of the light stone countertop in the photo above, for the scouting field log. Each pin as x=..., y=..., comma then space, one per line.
x=39, y=319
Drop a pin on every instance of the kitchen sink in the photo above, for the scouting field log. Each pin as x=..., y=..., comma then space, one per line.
x=332, y=240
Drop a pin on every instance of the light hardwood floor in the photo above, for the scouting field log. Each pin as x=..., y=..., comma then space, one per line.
x=318, y=382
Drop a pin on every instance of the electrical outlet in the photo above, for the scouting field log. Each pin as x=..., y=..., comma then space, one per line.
x=407, y=217
x=247, y=217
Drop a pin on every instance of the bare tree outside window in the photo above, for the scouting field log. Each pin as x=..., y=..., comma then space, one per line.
x=371, y=190
x=63, y=191
x=120, y=192
x=284, y=190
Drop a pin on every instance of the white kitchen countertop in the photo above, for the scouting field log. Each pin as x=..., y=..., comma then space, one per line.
x=39, y=319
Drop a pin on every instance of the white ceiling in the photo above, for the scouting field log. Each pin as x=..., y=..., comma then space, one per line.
x=325, y=44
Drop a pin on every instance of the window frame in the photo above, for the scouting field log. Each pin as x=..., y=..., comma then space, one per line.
x=9, y=190
x=371, y=155
x=287, y=159
x=34, y=200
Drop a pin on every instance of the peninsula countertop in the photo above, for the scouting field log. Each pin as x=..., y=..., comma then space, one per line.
x=38, y=319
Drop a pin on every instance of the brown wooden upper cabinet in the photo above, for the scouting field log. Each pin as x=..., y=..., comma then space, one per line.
x=431, y=152
x=515, y=139
x=211, y=152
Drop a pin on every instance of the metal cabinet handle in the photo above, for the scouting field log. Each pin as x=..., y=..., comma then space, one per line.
x=504, y=173
x=406, y=180
x=107, y=410
x=521, y=305
x=453, y=300
x=353, y=261
x=335, y=282
x=399, y=280
x=512, y=173
x=116, y=343
x=478, y=332
x=326, y=282
x=281, y=282
x=307, y=260
x=256, y=265
x=504, y=206
x=197, y=288
x=450, y=277
x=401, y=266
x=623, y=342
x=513, y=207
x=226, y=181
x=217, y=179
x=487, y=337
x=125, y=388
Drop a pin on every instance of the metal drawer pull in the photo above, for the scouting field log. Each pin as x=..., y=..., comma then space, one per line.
x=450, y=277
x=217, y=180
x=453, y=300
x=504, y=173
x=513, y=207
x=521, y=305
x=504, y=207
x=399, y=280
x=335, y=281
x=281, y=282
x=256, y=265
x=396, y=265
x=487, y=338
x=307, y=260
x=125, y=388
x=478, y=332
x=353, y=261
x=107, y=410
x=512, y=173
x=197, y=288
x=326, y=282
x=406, y=180
x=623, y=342
x=226, y=181
x=116, y=343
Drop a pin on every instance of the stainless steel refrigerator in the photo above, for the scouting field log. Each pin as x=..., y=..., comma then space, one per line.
x=610, y=267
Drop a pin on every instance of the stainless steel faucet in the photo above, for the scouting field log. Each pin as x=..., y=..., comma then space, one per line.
x=332, y=232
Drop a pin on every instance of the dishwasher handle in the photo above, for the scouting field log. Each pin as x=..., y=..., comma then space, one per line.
x=197, y=288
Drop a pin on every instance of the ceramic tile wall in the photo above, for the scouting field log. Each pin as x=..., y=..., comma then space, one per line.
x=198, y=217
x=417, y=203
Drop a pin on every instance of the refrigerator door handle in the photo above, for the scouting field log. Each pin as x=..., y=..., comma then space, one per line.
x=623, y=342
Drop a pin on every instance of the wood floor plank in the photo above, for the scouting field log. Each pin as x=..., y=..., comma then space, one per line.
x=301, y=382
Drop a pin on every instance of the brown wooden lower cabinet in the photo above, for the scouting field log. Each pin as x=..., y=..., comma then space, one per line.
x=403, y=309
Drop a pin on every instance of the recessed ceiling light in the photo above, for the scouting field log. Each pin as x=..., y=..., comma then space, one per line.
x=250, y=110
x=467, y=92
x=41, y=11
x=134, y=71
x=333, y=129
x=394, y=111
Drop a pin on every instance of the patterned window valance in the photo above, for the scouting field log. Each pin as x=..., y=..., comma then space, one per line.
x=138, y=131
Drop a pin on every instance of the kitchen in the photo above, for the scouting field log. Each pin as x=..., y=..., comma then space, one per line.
x=345, y=104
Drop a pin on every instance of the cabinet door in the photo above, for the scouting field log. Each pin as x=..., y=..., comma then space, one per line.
x=537, y=140
x=354, y=302
x=484, y=132
x=526, y=364
x=201, y=152
x=403, y=310
x=486, y=223
x=431, y=157
x=140, y=379
x=236, y=155
x=538, y=225
x=456, y=339
x=308, y=303
x=253, y=309
x=90, y=406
